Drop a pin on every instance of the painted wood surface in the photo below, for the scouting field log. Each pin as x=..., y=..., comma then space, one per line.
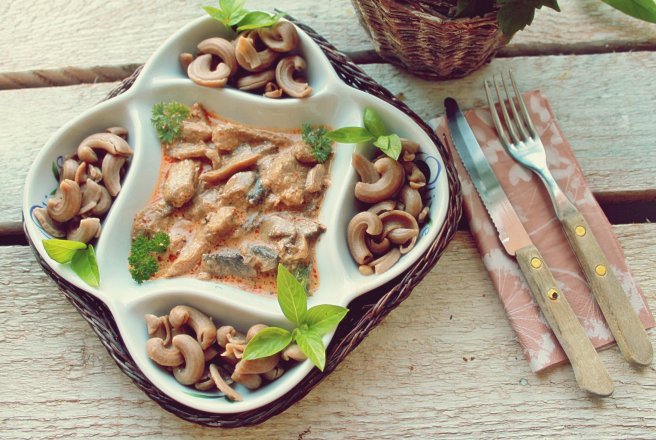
x=444, y=362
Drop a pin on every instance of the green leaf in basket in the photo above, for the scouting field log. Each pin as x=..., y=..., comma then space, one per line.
x=350, y=135
x=642, y=9
x=267, y=342
x=311, y=344
x=84, y=264
x=62, y=251
x=390, y=145
x=373, y=122
x=292, y=297
x=323, y=318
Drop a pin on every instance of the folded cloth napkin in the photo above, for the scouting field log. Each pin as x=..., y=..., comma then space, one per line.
x=531, y=201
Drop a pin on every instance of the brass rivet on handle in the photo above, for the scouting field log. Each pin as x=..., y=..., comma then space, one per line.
x=580, y=231
x=552, y=294
x=600, y=270
x=536, y=263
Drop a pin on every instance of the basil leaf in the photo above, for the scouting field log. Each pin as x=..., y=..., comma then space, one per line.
x=514, y=16
x=230, y=6
x=217, y=14
x=350, y=135
x=323, y=318
x=390, y=145
x=257, y=19
x=55, y=170
x=373, y=122
x=642, y=9
x=291, y=296
x=237, y=16
x=62, y=251
x=311, y=344
x=267, y=342
x=84, y=264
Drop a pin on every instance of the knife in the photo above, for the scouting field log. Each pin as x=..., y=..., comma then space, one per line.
x=590, y=373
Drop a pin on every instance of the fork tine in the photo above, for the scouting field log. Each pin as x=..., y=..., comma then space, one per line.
x=522, y=104
x=495, y=117
x=504, y=111
x=518, y=119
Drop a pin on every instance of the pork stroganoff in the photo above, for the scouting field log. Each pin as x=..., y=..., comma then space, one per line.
x=236, y=201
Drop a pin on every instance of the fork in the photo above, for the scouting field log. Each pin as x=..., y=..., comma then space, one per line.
x=525, y=146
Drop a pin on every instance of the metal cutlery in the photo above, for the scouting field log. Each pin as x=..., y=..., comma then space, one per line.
x=590, y=373
x=522, y=142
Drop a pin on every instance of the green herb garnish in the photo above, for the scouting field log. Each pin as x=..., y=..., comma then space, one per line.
x=55, y=170
x=81, y=256
x=167, y=119
x=142, y=260
x=315, y=138
x=234, y=16
x=311, y=324
x=374, y=130
x=302, y=274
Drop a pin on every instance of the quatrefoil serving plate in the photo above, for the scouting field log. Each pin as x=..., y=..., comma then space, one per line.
x=332, y=103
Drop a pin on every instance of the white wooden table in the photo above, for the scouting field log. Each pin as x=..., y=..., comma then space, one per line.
x=457, y=368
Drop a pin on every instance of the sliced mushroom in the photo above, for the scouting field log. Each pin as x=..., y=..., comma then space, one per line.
x=118, y=131
x=315, y=178
x=223, y=49
x=391, y=179
x=91, y=193
x=222, y=385
x=364, y=168
x=68, y=169
x=108, y=142
x=248, y=56
x=400, y=220
x=222, y=334
x=111, y=171
x=185, y=59
x=361, y=224
x=408, y=149
x=67, y=201
x=200, y=71
x=81, y=173
x=194, y=361
x=272, y=90
x=411, y=200
x=154, y=326
x=384, y=263
x=210, y=353
x=423, y=214
x=205, y=383
x=274, y=373
x=378, y=247
x=104, y=203
x=88, y=229
x=242, y=162
x=416, y=179
x=202, y=325
x=286, y=80
x=51, y=227
x=293, y=352
x=257, y=366
x=281, y=37
x=255, y=329
x=365, y=270
x=380, y=207
x=250, y=381
x=256, y=80
x=162, y=355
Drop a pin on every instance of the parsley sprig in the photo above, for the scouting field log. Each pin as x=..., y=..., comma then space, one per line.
x=142, y=259
x=374, y=130
x=234, y=16
x=167, y=119
x=311, y=324
x=315, y=138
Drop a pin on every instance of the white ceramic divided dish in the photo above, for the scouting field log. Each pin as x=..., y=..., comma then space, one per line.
x=332, y=103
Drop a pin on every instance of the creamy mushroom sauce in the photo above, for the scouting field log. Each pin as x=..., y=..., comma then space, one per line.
x=236, y=201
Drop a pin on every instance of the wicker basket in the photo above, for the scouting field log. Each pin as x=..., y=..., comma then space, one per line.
x=419, y=36
x=365, y=312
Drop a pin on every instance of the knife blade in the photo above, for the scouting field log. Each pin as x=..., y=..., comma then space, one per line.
x=590, y=373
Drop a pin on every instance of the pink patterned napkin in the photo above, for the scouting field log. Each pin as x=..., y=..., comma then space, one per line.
x=531, y=201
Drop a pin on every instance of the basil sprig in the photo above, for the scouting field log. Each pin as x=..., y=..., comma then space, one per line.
x=234, y=16
x=81, y=256
x=374, y=130
x=311, y=324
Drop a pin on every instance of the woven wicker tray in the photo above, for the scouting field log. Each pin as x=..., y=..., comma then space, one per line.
x=365, y=312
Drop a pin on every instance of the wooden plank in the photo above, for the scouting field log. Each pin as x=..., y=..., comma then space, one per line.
x=608, y=121
x=445, y=362
x=87, y=34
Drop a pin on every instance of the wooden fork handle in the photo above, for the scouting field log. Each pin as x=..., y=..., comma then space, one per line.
x=590, y=373
x=622, y=319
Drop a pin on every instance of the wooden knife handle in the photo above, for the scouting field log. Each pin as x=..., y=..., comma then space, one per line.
x=590, y=373
x=622, y=319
